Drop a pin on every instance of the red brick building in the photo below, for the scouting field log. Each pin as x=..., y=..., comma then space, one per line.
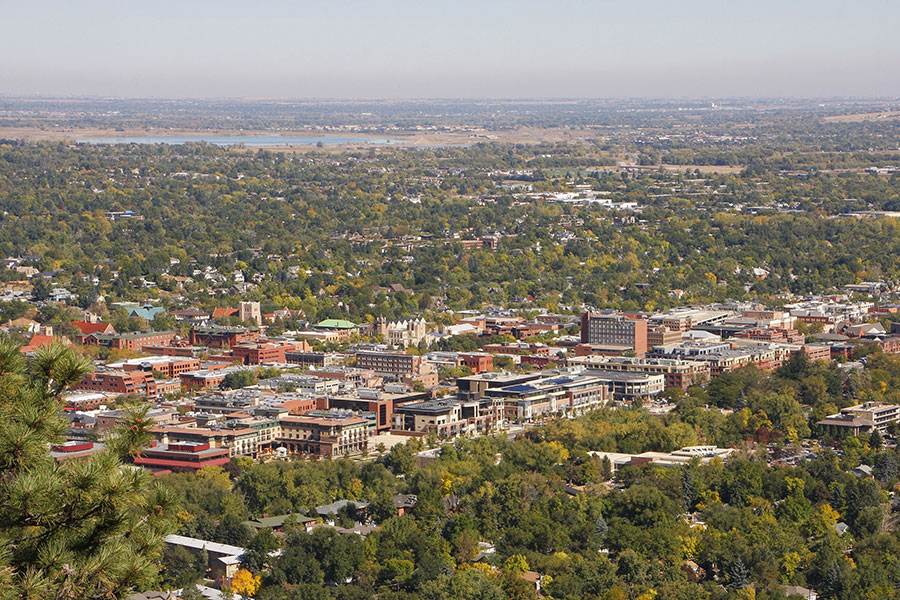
x=259, y=352
x=182, y=457
x=170, y=368
x=222, y=337
x=478, y=362
x=817, y=351
x=615, y=330
x=135, y=341
x=120, y=382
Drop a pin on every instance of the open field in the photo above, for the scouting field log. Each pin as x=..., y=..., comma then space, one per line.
x=861, y=117
x=415, y=138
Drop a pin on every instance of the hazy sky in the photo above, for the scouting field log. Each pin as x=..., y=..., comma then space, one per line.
x=454, y=48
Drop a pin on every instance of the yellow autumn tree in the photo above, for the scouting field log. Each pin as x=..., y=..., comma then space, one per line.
x=245, y=583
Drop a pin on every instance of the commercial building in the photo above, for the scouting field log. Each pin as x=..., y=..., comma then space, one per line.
x=163, y=415
x=239, y=441
x=298, y=382
x=351, y=375
x=564, y=393
x=182, y=457
x=222, y=337
x=474, y=387
x=862, y=418
x=207, y=378
x=378, y=402
x=310, y=359
x=448, y=418
x=520, y=348
x=772, y=334
x=678, y=458
x=170, y=366
x=259, y=352
x=74, y=450
x=336, y=434
x=685, y=319
x=478, y=362
x=659, y=335
x=397, y=365
x=614, y=330
x=678, y=373
x=627, y=386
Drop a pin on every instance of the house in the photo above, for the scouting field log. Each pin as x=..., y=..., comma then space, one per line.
x=863, y=471
x=26, y=325
x=404, y=503
x=39, y=341
x=224, y=559
x=277, y=522
x=328, y=512
x=796, y=590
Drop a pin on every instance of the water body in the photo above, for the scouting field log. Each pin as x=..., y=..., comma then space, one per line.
x=246, y=140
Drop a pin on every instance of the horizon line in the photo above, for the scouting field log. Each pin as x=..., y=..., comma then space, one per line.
x=546, y=99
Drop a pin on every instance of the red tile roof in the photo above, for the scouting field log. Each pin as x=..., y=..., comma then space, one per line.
x=224, y=312
x=88, y=328
x=38, y=340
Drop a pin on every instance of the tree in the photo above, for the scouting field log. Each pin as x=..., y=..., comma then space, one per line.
x=74, y=529
x=875, y=441
x=606, y=468
x=738, y=575
x=133, y=431
x=245, y=583
x=191, y=592
x=239, y=379
x=515, y=565
x=40, y=289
